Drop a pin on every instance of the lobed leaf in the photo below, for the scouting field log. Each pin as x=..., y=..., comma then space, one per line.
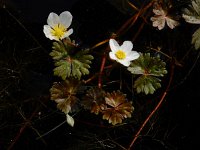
x=149, y=68
x=68, y=62
x=116, y=108
x=147, y=65
x=147, y=84
x=93, y=99
x=63, y=93
x=196, y=39
x=192, y=13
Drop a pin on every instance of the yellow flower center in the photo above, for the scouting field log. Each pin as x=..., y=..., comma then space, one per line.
x=58, y=31
x=120, y=54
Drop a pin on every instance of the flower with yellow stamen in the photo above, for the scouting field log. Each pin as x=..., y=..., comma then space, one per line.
x=57, y=28
x=122, y=54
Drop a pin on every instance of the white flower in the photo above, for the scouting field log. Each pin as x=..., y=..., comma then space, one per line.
x=161, y=18
x=122, y=54
x=57, y=28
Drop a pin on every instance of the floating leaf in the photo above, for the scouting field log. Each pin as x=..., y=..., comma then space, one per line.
x=63, y=69
x=117, y=107
x=70, y=120
x=58, y=51
x=70, y=61
x=162, y=17
x=192, y=13
x=196, y=39
x=61, y=49
x=149, y=68
x=93, y=99
x=147, y=84
x=63, y=93
x=147, y=65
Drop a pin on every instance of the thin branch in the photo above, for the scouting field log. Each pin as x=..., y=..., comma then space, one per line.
x=101, y=70
x=41, y=136
x=155, y=109
x=25, y=29
x=22, y=129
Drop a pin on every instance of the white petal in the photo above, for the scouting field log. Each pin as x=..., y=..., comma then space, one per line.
x=133, y=55
x=171, y=23
x=112, y=56
x=114, y=46
x=66, y=18
x=70, y=120
x=53, y=19
x=124, y=62
x=47, y=31
x=127, y=46
x=68, y=33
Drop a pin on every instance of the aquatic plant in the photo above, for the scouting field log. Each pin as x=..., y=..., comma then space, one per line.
x=119, y=81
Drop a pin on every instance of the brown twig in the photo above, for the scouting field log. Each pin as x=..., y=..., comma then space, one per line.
x=90, y=79
x=101, y=70
x=156, y=108
x=25, y=29
x=22, y=129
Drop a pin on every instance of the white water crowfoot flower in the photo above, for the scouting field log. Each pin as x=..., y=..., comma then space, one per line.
x=122, y=54
x=57, y=28
x=161, y=17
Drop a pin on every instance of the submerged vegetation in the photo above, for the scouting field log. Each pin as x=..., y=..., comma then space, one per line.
x=104, y=91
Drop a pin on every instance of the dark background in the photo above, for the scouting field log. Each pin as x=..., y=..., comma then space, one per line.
x=26, y=76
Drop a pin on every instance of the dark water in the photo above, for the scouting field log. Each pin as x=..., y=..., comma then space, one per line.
x=26, y=76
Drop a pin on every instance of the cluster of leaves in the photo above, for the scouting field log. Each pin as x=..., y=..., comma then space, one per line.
x=149, y=69
x=192, y=15
x=113, y=106
x=71, y=63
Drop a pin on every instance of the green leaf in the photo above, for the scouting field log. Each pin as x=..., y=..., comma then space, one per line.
x=63, y=69
x=147, y=65
x=147, y=84
x=70, y=61
x=196, y=39
x=150, y=69
x=59, y=51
